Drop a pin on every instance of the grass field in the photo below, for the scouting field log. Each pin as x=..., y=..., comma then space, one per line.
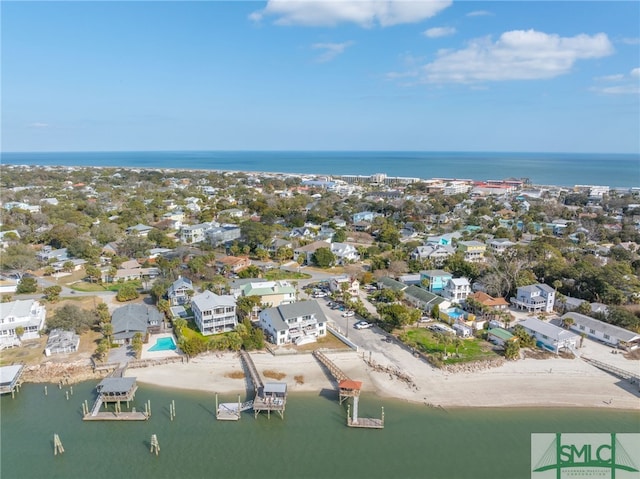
x=464, y=350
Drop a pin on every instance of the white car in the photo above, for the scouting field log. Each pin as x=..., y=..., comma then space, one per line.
x=320, y=294
x=348, y=314
x=362, y=325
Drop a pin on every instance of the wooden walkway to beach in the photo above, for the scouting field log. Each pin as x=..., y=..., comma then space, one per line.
x=258, y=385
x=616, y=371
x=348, y=388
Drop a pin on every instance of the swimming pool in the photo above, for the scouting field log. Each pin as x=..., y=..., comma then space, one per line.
x=455, y=313
x=164, y=344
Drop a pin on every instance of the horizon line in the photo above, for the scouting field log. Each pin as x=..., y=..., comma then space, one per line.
x=318, y=151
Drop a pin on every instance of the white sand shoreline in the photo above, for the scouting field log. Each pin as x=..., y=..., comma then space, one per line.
x=554, y=382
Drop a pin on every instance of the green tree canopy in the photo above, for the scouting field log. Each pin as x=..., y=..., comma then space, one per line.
x=323, y=258
x=72, y=318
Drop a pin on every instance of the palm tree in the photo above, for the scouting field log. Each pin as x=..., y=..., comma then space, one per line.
x=568, y=322
x=136, y=343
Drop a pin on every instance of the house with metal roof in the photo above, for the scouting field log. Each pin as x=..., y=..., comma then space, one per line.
x=457, y=289
x=435, y=279
x=604, y=332
x=550, y=336
x=535, y=298
x=389, y=283
x=61, y=341
x=28, y=314
x=422, y=299
x=298, y=323
x=272, y=293
x=180, y=291
x=214, y=313
x=500, y=336
x=131, y=319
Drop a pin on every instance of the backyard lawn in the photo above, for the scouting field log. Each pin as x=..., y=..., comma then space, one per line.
x=457, y=350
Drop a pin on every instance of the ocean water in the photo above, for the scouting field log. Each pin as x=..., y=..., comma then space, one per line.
x=565, y=169
x=312, y=441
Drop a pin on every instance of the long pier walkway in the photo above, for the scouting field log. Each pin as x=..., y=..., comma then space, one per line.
x=258, y=385
x=349, y=388
x=621, y=373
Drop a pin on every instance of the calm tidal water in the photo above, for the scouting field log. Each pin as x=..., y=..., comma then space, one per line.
x=311, y=442
x=565, y=169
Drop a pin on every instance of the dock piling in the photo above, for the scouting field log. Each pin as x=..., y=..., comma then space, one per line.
x=57, y=445
x=155, y=447
x=45, y=391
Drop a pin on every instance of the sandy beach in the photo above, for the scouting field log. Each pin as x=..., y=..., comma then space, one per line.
x=554, y=382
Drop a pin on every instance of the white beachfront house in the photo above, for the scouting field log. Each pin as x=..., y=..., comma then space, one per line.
x=214, y=313
x=604, y=332
x=299, y=323
x=550, y=336
x=457, y=289
x=180, y=291
x=535, y=298
x=28, y=314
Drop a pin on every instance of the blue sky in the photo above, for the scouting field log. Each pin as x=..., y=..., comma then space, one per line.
x=330, y=75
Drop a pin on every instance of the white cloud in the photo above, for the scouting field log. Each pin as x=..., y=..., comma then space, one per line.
x=516, y=55
x=617, y=77
x=38, y=124
x=365, y=13
x=628, y=85
x=437, y=32
x=630, y=41
x=479, y=13
x=331, y=50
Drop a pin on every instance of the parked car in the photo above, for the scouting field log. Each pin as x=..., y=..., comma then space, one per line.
x=319, y=294
x=348, y=314
x=362, y=325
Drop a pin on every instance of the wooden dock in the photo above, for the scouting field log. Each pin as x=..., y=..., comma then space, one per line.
x=115, y=389
x=348, y=388
x=621, y=373
x=258, y=385
x=10, y=378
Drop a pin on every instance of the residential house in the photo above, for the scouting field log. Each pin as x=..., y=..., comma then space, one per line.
x=222, y=234
x=496, y=304
x=307, y=251
x=195, y=233
x=344, y=253
x=297, y=323
x=214, y=313
x=457, y=289
x=232, y=263
x=8, y=285
x=139, y=230
x=367, y=216
x=500, y=245
x=390, y=283
x=6, y=236
x=434, y=280
x=271, y=293
x=445, y=239
x=500, y=337
x=131, y=319
x=350, y=284
x=61, y=342
x=607, y=333
x=473, y=250
x=278, y=243
x=434, y=252
x=47, y=254
x=28, y=314
x=550, y=336
x=422, y=299
x=231, y=213
x=535, y=298
x=302, y=232
x=180, y=291
x=18, y=205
